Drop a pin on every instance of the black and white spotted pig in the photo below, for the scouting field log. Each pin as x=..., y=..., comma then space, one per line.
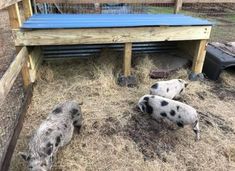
x=53, y=133
x=170, y=89
x=177, y=112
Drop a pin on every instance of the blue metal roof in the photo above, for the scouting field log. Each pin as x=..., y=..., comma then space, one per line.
x=55, y=21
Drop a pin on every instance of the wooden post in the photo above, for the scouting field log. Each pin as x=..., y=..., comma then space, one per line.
x=15, y=22
x=35, y=59
x=14, y=16
x=27, y=9
x=178, y=5
x=127, y=59
x=199, y=56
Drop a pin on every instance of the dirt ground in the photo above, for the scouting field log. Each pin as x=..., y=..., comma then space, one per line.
x=115, y=136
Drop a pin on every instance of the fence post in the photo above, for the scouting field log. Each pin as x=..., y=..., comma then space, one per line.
x=15, y=21
x=178, y=5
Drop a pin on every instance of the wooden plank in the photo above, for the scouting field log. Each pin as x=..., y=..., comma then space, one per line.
x=178, y=5
x=25, y=73
x=199, y=56
x=132, y=1
x=14, y=16
x=11, y=74
x=127, y=59
x=109, y=35
x=15, y=22
x=21, y=115
x=27, y=9
x=35, y=58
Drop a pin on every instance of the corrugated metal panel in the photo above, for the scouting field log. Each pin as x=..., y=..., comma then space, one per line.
x=86, y=51
x=49, y=21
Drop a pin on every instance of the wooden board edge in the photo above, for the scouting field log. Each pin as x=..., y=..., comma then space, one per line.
x=35, y=59
x=9, y=77
x=109, y=35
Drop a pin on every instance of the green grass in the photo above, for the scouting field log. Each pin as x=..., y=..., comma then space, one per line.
x=157, y=10
x=230, y=18
x=221, y=31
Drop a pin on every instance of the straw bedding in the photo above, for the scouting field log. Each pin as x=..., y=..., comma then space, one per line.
x=115, y=136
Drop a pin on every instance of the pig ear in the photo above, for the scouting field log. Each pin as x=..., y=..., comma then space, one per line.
x=24, y=155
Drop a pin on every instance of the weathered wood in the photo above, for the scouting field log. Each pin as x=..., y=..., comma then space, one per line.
x=199, y=56
x=178, y=5
x=196, y=51
x=109, y=35
x=14, y=16
x=35, y=58
x=15, y=22
x=7, y=3
x=25, y=73
x=12, y=72
x=15, y=134
x=127, y=59
x=27, y=9
x=133, y=1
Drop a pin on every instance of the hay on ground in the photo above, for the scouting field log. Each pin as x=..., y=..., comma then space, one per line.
x=114, y=136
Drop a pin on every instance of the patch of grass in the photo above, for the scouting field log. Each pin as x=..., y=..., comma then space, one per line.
x=157, y=10
x=230, y=18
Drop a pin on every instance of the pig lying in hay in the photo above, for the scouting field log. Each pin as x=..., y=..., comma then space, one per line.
x=174, y=111
x=53, y=133
x=170, y=89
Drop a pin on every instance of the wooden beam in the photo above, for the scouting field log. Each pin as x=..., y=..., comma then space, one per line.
x=20, y=120
x=127, y=59
x=178, y=6
x=15, y=22
x=14, y=16
x=7, y=3
x=199, y=56
x=27, y=9
x=109, y=35
x=25, y=73
x=11, y=74
x=35, y=59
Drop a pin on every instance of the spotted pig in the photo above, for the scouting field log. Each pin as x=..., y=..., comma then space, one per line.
x=170, y=89
x=174, y=111
x=53, y=133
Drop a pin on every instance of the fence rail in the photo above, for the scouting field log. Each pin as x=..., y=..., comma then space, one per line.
x=133, y=1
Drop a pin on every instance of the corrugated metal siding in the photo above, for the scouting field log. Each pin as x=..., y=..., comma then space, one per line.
x=56, y=21
x=86, y=51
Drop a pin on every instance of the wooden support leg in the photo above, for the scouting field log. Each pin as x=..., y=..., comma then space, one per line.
x=14, y=16
x=15, y=22
x=27, y=9
x=199, y=56
x=35, y=59
x=178, y=6
x=127, y=59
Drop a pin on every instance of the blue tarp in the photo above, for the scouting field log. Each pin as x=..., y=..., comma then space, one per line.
x=56, y=21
